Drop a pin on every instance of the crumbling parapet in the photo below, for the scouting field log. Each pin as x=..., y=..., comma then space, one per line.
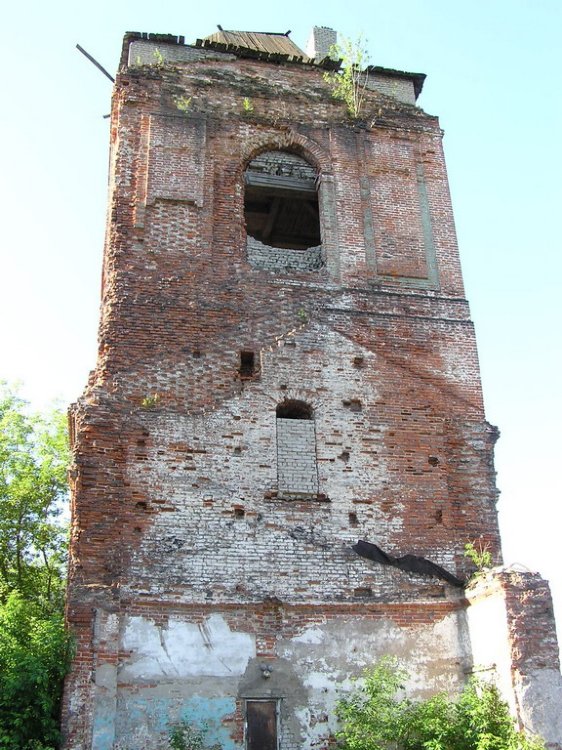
x=513, y=641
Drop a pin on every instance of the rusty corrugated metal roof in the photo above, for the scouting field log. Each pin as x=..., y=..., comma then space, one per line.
x=277, y=44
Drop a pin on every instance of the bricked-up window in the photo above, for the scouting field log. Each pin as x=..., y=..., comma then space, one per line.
x=297, y=472
x=281, y=213
x=261, y=725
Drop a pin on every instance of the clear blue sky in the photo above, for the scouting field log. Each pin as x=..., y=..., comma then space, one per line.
x=493, y=71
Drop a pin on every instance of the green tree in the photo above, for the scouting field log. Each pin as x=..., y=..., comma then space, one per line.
x=33, y=463
x=350, y=81
x=374, y=718
x=34, y=658
x=34, y=648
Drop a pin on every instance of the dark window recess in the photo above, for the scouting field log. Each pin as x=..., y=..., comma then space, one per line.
x=294, y=410
x=353, y=405
x=362, y=592
x=247, y=364
x=261, y=725
x=281, y=201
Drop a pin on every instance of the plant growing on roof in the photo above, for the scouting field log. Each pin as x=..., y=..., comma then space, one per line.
x=350, y=81
x=158, y=58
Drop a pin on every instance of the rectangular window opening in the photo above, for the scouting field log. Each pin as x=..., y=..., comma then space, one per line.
x=247, y=364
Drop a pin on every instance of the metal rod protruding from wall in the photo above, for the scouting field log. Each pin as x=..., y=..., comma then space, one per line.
x=96, y=63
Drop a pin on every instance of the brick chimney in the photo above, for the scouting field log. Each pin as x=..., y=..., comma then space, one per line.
x=320, y=42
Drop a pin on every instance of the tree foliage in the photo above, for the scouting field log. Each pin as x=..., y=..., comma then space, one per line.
x=374, y=718
x=34, y=657
x=34, y=648
x=350, y=81
x=33, y=463
x=478, y=552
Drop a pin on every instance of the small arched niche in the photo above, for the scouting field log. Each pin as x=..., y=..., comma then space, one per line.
x=281, y=213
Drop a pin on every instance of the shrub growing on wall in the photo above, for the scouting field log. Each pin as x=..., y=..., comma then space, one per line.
x=374, y=718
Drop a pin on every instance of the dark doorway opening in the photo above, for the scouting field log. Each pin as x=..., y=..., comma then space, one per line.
x=261, y=725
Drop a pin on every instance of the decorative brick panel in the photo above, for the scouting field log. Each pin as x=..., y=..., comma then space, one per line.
x=176, y=158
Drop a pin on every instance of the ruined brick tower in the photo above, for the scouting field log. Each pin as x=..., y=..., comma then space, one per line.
x=286, y=366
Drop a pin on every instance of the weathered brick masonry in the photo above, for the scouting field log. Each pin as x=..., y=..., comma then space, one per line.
x=257, y=409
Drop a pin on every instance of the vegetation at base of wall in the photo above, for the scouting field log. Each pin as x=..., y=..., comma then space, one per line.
x=34, y=658
x=376, y=717
x=350, y=81
x=34, y=648
x=186, y=736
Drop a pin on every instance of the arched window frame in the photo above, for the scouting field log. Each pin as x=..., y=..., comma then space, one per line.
x=316, y=156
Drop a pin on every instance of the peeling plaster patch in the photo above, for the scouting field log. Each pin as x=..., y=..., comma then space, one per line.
x=319, y=721
x=103, y=732
x=184, y=649
x=540, y=697
x=324, y=681
x=316, y=732
x=146, y=718
x=312, y=635
x=349, y=647
x=209, y=713
x=329, y=657
x=143, y=717
x=489, y=640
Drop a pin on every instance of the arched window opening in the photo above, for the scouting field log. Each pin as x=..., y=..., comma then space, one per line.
x=297, y=472
x=281, y=213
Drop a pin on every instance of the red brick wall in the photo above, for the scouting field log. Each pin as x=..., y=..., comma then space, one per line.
x=170, y=440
